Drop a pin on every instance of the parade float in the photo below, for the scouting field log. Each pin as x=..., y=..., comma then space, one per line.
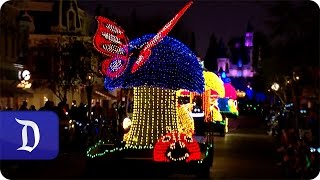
x=156, y=67
x=228, y=105
x=214, y=89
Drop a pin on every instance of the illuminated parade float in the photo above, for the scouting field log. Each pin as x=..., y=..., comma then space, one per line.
x=214, y=89
x=228, y=105
x=156, y=67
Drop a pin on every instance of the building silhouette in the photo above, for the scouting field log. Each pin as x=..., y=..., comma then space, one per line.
x=32, y=30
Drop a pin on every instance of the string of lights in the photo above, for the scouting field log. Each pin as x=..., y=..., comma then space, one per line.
x=172, y=65
x=185, y=121
x=154, y=114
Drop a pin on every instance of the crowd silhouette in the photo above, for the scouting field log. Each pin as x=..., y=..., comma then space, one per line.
x=81, y=126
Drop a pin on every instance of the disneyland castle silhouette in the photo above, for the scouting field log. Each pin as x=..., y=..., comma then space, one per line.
x=239, y=62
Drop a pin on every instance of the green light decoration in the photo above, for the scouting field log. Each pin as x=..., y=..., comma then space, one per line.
x=308, y=161
x=90, y=154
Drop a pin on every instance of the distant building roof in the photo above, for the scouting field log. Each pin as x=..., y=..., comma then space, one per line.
x=222, y=50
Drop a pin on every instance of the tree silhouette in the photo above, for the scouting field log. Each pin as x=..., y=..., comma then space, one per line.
x=261, y=48
x=295, y=34
x=72, y=61
x=210, y=60
x=222, y=51
x=295, y=42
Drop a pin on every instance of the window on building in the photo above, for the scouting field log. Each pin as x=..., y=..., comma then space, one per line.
x=71, y=20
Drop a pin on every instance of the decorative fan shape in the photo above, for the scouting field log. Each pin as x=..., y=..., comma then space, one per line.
x=213, y=83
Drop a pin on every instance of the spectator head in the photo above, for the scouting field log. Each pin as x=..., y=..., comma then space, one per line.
x=32, y=107
x=24, y=103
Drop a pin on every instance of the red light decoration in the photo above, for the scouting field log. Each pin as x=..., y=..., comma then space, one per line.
x=110, y=40
x=214, y=94
x=176, y=147
x=185, y=93
x=115, y=67
x=146, y=51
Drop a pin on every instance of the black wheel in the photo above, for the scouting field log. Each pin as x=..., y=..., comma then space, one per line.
x=204, y=173
x=223, y=132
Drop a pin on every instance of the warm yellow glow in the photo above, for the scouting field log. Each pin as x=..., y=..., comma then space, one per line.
x=213, y=82
x=154, y=115
x=227, y=122
x=241, y=94
x=126, y=123
x=185, y=121
x=215, y=112
x=275, y=86
x=24, y=84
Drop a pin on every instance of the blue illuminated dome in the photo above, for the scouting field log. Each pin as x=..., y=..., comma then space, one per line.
x=172, y=65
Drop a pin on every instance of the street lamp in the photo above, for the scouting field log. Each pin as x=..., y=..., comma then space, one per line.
x=89, y=89
x=275, y=86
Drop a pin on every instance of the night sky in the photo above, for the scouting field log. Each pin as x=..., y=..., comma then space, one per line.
x=225, y=19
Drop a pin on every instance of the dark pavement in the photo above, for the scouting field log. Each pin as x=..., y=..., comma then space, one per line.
x=245, y=152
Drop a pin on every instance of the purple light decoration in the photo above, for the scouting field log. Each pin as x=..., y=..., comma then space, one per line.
x=249, y=39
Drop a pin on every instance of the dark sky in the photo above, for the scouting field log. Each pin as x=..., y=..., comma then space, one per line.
x=225, y=19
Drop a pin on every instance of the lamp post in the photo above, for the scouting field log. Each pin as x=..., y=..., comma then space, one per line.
x=89, y=89
x=275, y=87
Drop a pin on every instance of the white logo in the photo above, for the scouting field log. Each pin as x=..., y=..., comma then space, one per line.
x=24, y=134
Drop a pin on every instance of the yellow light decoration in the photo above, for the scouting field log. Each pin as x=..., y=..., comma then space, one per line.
x=212, y=82
x=185, y=121
x=154, y=115
x=126, y=136
x=233, y=106
x=126, y=126
x=226, y=126
x=241, y=94
x=215, y=112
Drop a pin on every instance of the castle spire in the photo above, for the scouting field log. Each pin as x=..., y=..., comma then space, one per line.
x=249, y=27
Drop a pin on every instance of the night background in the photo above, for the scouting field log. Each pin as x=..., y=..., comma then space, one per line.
x=238, y=81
